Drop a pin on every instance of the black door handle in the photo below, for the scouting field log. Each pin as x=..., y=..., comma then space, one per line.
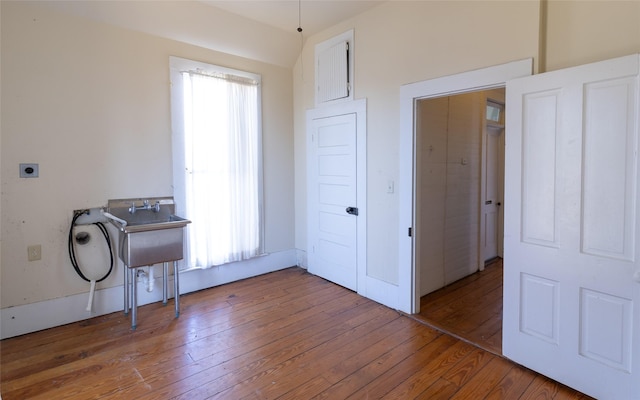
x=352, y=210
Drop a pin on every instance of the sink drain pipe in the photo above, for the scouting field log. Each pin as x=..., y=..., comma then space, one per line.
x=85, y=238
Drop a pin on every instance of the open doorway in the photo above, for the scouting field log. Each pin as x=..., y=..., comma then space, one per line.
x=409, y=276
x=459, y=166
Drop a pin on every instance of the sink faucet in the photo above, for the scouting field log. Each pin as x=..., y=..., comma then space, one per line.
x=145, y=206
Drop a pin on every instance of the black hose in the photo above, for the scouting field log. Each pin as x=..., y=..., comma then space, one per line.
x=72, y=251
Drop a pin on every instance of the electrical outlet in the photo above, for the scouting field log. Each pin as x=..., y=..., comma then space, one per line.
x=29, y=170
x=34, y=252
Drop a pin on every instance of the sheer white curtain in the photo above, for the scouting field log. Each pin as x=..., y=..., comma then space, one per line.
x=222, y=168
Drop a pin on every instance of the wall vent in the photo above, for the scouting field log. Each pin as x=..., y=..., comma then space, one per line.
x=333, y=73
x=334, y=69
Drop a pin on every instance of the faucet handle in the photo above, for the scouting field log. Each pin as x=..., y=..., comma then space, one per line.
x=156, y=207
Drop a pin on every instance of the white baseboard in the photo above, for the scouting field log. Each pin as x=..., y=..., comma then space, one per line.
x=33, y=317
x=301, y=256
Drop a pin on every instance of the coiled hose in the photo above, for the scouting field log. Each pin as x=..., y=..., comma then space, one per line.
x=72, y=251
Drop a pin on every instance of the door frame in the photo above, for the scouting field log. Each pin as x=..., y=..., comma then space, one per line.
x=358, y=107
x=481, y=79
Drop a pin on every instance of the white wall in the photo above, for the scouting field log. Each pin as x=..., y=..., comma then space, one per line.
x=432, y=122
x=448, y=164
x=462, y=217
x=580, y=32
x=89, y=102
x=396, y=43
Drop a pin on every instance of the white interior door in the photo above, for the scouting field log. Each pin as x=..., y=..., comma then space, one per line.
x=571, y=261
x=492, y=196
x=333, y=211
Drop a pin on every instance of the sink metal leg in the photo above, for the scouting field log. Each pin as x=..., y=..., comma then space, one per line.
x=131, y=290
x=165, y=277
x=176, y=288
x=126, y=290
x=134, y=298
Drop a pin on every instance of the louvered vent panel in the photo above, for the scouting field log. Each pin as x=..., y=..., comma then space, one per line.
x=333, y=73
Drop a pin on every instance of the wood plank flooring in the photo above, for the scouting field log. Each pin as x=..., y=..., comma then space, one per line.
x=470, y=308
x=284, y=335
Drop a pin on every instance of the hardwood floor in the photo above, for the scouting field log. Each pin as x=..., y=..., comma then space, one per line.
x=285, y=335
x=470, y=308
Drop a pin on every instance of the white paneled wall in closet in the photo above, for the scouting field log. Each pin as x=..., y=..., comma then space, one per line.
x=448, y=173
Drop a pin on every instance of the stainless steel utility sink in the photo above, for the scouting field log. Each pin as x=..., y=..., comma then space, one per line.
x=145, y=221
x=149, y=233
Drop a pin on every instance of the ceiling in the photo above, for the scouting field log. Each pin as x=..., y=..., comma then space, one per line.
x=314, y=15
x=226, y=26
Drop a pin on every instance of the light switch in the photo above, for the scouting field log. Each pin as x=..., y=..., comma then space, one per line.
x=390, y=186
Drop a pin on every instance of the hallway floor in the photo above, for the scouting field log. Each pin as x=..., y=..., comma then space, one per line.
x=470, y=309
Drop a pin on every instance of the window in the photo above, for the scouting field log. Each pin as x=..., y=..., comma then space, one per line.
x=217, y=156
x=495, y=112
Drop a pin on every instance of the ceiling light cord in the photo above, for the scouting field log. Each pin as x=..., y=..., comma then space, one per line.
x=301, y=38
x=299, y=16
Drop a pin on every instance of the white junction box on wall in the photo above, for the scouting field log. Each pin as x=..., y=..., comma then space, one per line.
x=91, y=217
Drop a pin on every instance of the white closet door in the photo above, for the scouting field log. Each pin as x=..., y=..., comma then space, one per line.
x=332, y=203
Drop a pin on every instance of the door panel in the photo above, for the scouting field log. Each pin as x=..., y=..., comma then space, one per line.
x=609, y=139
x=539, y=136
x=332, y=180
x=571, y=306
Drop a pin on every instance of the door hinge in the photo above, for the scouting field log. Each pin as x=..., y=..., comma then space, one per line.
x=410, y=232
